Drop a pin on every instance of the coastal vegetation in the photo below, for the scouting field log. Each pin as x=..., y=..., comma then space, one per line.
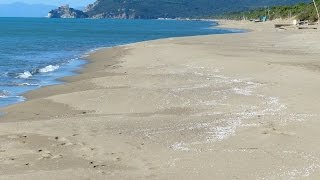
x=302, y=11
x=153, y=9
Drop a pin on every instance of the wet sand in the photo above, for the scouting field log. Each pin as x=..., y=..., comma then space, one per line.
x=232, y=106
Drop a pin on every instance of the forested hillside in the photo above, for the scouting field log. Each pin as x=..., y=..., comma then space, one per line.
x=151, y=9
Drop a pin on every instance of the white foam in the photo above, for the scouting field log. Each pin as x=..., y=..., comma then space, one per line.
x=25, y=75
x=87, y=54
x=49, y=68
x=27, y=84
x=4, y=94
x=179, y=146
x=243, y=91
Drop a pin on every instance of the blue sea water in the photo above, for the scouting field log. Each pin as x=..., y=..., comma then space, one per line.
x=36, y=52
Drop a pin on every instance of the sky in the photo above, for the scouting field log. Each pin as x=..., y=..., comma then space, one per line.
x=74, y=3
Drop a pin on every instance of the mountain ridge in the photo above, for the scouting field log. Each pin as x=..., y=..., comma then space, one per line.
x=154, y=9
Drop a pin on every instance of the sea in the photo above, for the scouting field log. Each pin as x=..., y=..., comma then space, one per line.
x=37, y=52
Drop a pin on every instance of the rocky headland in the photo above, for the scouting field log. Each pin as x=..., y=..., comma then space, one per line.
x=66, y=12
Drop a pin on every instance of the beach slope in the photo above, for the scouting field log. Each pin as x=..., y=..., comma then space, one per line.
x=232, y=106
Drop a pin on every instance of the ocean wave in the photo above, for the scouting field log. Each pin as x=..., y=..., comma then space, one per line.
x=91, y=51
x=26, y=84
x=49, y=68
x=19, y=84
x=25, y=75
x=4, y=93
x=28, y=74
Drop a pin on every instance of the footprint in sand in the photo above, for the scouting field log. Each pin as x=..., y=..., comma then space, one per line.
x=49, y=155
x=96, y=165
x=45, y=154
x=64, y=141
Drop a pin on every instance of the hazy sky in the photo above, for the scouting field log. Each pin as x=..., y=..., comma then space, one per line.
x=51, y=2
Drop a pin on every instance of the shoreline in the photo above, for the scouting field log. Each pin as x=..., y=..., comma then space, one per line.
x=183, y=108
x=85, y=57
x=51, y=90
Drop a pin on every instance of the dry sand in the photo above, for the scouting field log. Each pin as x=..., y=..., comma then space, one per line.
x=232, y=106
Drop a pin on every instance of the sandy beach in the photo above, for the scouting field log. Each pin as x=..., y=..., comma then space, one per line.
x=231, y=106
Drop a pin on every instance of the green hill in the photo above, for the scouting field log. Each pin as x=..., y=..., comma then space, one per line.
x=151, y=9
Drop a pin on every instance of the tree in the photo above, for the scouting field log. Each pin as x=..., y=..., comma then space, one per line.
x=315, y=5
